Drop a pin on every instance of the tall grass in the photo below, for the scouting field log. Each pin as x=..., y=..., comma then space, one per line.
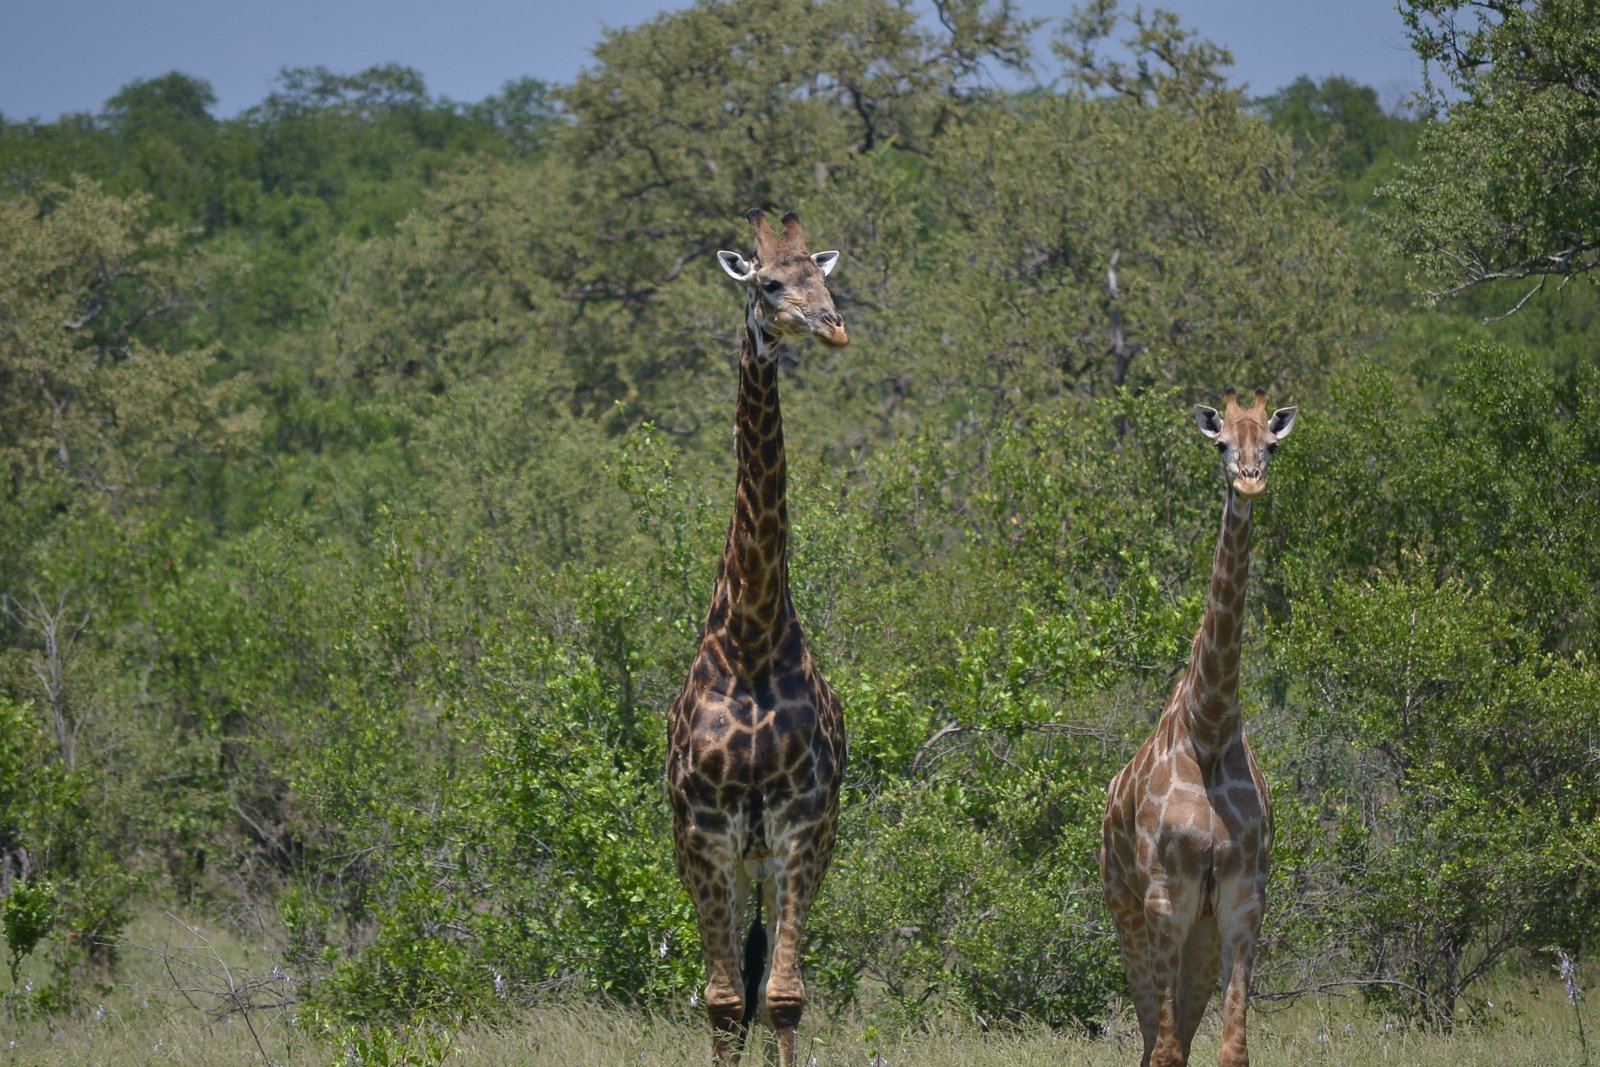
x=179, y=1002
x=576, y=1036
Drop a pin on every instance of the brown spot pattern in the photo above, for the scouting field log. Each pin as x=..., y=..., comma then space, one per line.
x=756, y=742
x=1187, y=833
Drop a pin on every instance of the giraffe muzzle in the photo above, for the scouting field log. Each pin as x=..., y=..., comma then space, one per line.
x=829, y=328
x=1249, y=488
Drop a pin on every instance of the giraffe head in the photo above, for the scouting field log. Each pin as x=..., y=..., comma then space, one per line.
x=1246, y=438
x=785, y=282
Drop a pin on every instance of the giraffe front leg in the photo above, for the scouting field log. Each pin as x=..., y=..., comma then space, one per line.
x=1239, y=939
x=1197, y=979
x=795, y=883
x=1135, y=946
x=719, y=888
x=1133, y=942
x=1169, y=914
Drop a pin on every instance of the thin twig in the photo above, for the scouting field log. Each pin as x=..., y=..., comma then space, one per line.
x=1529, y=295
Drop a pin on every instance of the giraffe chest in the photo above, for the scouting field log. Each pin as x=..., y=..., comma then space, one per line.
x=1176, y=804
x=1211, y=817
x=777, y=742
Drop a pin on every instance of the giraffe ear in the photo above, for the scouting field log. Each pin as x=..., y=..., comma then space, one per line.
x=825, y=262
x=736, y=266
x=1208, y=419
x=1282, y=422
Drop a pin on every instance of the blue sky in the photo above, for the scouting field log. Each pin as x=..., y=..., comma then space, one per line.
x=59, y=56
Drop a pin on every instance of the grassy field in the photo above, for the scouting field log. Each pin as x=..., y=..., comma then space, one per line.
x=172, y=1009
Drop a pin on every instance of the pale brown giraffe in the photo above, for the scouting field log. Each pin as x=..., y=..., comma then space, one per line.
x=756, y=745
x=1188, y=823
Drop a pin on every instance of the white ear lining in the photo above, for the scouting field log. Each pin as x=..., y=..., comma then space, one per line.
x=1206, y=418
x=1282, y=422
x=825, y=262
x=735, y=266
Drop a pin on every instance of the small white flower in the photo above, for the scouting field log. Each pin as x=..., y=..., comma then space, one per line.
x=661, y=949
x=1322, y=1039
x=499, y=984
x=100, y=1013
x=694, y=1000
x=1568, y=975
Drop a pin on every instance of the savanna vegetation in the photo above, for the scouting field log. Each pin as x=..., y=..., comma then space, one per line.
x=364, y=460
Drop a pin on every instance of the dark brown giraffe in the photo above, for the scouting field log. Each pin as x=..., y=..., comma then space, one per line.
x=1188, y=823
x=756, y=745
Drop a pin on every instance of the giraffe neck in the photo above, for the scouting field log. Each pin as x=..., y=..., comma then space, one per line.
x=751, y=602
x=1213, y=675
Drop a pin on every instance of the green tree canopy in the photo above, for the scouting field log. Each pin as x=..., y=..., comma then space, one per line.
x=686, y=121
x=1336, y=115
x=1510, y=186
x=90, y=393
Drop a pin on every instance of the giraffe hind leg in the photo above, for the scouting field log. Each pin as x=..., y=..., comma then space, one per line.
x=1238, y=959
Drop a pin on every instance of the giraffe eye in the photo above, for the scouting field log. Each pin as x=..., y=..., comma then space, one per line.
x=771, y=286
x=1222, y=446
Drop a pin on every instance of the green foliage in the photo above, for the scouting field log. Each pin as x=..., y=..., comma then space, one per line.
x=1469, y=791
x=974, y=890
x=1449, y=491
x=1440, y=668
x=1337, y=116
x=1342, y=124
x=92, y=395
x=1509, y=185
x=583, y=799
x=32, y=785
x=1225, y=268
x=27, y=918
x=358, y=525
x=698, y=114
x=422, y=1044
x=1172, y=66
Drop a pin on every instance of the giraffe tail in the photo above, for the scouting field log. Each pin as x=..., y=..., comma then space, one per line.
x=755, y=963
